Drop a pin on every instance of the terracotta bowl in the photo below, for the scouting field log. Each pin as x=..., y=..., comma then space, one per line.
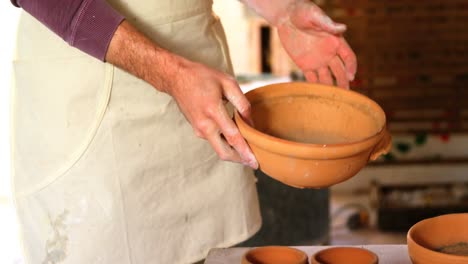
x=341, y=255
x=312, y=136
x=441, y=240
x=274, y=255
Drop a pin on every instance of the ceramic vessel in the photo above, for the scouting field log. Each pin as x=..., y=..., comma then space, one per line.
x=341, y=255
x=274, y=255
x=428, y=239
x=312, y=136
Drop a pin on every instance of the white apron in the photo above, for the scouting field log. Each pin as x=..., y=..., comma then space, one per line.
x=106, y=168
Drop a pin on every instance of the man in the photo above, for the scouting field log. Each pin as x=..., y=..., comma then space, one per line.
x=106, y=167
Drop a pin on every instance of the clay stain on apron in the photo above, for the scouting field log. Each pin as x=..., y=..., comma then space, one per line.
x=56, y=246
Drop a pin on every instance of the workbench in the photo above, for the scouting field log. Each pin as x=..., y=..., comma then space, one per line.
x=388, y=254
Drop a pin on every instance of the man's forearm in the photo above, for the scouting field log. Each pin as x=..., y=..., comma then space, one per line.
x=135, y=53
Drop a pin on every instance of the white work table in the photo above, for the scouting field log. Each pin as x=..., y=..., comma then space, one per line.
x=388, y=254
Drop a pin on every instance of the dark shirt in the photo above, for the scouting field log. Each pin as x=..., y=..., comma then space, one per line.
x=85, y=24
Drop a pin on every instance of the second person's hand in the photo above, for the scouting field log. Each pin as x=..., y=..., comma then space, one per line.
x=311, y=38
x=314, y=42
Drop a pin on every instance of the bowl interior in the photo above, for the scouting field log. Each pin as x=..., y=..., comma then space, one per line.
x=446, y=234
x=314, y=114
x=273, y=254
x=347, y=255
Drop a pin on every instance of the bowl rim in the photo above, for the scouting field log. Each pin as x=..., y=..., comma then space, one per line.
x=308, y=150
x=426, y=250
x=303, y=254
x=356, y=248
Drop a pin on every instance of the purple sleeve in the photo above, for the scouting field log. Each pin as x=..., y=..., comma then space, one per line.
x=85, y=24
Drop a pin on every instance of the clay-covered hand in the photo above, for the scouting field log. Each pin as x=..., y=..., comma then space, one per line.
x=311, y=38
x=201, y=93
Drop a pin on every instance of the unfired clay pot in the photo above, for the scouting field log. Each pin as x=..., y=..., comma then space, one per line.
x=311, y=136
x=428, y=239
x=274, y=255
x=344, y=255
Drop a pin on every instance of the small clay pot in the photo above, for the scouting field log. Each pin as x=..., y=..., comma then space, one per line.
x=441, y=240
x=311, y=136
x=274, y=255
x=344, y=255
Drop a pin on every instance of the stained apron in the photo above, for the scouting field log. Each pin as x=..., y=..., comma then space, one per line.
x=105, y=168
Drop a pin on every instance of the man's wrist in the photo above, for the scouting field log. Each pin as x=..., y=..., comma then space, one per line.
x=273, y=11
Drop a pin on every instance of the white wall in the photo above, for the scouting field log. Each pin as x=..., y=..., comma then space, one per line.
x=242, y=27
x=233, y=15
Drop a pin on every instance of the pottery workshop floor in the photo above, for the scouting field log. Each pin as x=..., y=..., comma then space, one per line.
x=341, y=235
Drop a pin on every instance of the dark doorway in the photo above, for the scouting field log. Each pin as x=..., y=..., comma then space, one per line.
x=265, y=49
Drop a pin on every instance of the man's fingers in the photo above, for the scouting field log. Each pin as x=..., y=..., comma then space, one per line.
x=311, y=76
x=339, y=71
x=349, y=58
x=324, y=76
x=327, y=24
x=209, y=130
x=233, y=94
x=308, y=16
x=233, y=137
x=222, y=148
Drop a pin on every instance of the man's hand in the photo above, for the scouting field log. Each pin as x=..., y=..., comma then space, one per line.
x=318, y=54
x=200, y=93
x=311, y=38
x=198, y=90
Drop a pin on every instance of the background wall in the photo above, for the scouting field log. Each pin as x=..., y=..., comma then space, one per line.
x=415, y=159
x=234, y=15
x=242, y=28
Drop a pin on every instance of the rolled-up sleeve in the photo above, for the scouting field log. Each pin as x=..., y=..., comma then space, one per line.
x=85, y=24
